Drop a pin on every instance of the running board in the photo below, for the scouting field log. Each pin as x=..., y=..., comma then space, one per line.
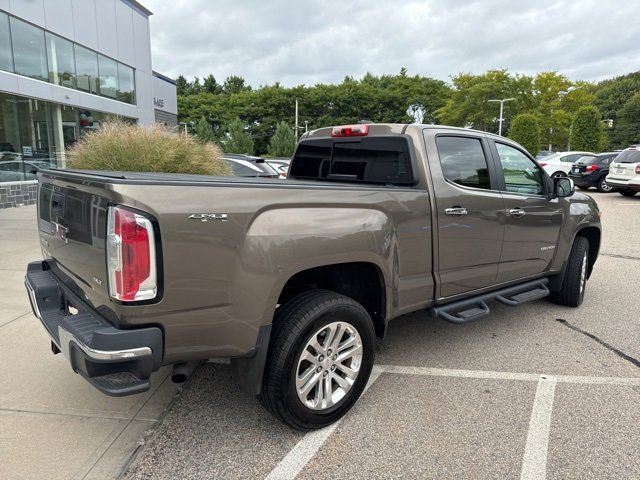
x=470, y=309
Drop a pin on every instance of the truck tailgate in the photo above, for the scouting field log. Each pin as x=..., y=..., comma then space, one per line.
x=72, y=227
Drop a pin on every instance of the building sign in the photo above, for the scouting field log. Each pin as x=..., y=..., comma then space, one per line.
x=158, y=102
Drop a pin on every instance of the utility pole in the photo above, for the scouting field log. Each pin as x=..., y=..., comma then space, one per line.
x=502, y=102
x=296, y=128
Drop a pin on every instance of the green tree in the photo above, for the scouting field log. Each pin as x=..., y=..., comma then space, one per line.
x=210, y=85
x=283, y=141
x=182, y=86
x=627, y=128
x=586, y=129
x=525, y=129
x=238, y=140
x=204, y=131
x=235, y=84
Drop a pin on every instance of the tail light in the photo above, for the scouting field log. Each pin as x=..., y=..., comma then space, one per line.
x=542, y=164
x=638, y=169
x=592, y=168
x=131, y=256
x=350, y=131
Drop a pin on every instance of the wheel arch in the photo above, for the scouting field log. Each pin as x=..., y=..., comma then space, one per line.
x=593, y=236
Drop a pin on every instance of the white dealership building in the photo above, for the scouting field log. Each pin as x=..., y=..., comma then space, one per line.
x=66, y=66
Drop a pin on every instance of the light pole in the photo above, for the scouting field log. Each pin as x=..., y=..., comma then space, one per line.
x=502, y=102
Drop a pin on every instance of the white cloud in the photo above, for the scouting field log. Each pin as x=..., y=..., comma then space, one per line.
x=297, y=42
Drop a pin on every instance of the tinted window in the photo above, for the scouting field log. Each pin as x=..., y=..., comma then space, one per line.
x=86, y=69
x=628, y=156
x=570, y=158
x=6, y=59
x=29, y=53
x=108, y=76
x=126, y=84
x=463, y=161
x=521, y=174
x=382, y=160
x=586, y=160
x=62, y=67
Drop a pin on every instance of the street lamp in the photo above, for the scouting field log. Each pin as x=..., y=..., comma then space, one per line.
x=502, y=102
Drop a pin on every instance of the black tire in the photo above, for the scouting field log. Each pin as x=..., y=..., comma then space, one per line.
x=571, y=292
x=558, y=174
x=294, y=324
x=583, y=188
x=602, y=185
x=627, y=193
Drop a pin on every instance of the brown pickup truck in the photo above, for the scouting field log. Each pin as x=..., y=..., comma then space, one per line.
x=292, y=280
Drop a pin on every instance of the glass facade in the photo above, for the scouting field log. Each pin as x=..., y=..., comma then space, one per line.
x=36, y=134
x=30, y=51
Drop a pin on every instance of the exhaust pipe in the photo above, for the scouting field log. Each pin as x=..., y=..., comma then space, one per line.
x=182, y=371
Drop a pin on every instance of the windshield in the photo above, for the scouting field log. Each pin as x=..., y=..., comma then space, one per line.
x=629, y=156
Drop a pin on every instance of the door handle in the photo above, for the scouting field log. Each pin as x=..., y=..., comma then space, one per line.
x=516, y=212
x=456, y=211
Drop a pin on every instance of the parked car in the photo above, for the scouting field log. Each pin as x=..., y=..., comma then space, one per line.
x=18, y=170
x=258, y=162
x=559, y=164
x=245, y=168
x=281, y=165
x=624, y=172
x=591, y=171
x=544, y=153
x=292, y=281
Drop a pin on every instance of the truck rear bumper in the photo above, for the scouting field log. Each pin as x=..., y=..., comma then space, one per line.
x=117, y=362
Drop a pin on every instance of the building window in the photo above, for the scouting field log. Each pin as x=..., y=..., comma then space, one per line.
x=126, y=84
x=86, y=69
x=62, y=66
x=6, y=59
x=108, y=76
x=29, y=54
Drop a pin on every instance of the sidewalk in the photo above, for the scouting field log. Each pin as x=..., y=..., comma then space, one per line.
x=52, y=423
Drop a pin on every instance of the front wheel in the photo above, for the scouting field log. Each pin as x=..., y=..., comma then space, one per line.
x=571, y=292
x=319, y=360
x=627, y=193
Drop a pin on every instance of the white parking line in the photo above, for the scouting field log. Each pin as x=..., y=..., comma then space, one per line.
x=535, y=458
x=534, y=464
x=293, y=463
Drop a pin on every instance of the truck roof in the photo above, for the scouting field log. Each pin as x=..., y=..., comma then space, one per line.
x=394, y=128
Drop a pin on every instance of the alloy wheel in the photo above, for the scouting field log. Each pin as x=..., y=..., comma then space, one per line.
x=328, y=365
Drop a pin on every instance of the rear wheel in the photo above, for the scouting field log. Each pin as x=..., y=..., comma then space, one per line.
x=571, y=292
x=558, y=175
x=319, y=361
x=603, y=186
x=627, y=193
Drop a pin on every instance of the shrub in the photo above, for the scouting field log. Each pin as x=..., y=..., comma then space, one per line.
x=135, y=148
x=586, y=130
x=525, y=129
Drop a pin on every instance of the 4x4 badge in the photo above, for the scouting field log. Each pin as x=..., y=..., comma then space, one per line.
x=209, y=217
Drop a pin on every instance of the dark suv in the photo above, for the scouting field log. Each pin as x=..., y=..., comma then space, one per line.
x=590, y=171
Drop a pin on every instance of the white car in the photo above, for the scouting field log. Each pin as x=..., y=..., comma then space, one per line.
x=559, y=164
x=624, y=172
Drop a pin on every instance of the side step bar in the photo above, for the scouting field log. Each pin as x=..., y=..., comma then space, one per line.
x=470, y=309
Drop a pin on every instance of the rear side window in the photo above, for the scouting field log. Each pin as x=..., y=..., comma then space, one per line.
x=586, y=160
x=463, y=161
x=377, y=160
x=628, y=156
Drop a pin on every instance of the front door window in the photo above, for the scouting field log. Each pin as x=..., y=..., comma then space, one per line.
x=521, y=174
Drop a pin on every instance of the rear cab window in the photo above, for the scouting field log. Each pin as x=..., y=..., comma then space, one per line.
x=382, y=160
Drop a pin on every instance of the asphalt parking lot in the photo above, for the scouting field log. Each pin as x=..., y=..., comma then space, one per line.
x=535, y=392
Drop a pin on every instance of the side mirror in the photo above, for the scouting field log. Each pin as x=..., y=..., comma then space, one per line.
x=563, y=187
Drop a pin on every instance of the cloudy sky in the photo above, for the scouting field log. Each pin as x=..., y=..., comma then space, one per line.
x=307, y=42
